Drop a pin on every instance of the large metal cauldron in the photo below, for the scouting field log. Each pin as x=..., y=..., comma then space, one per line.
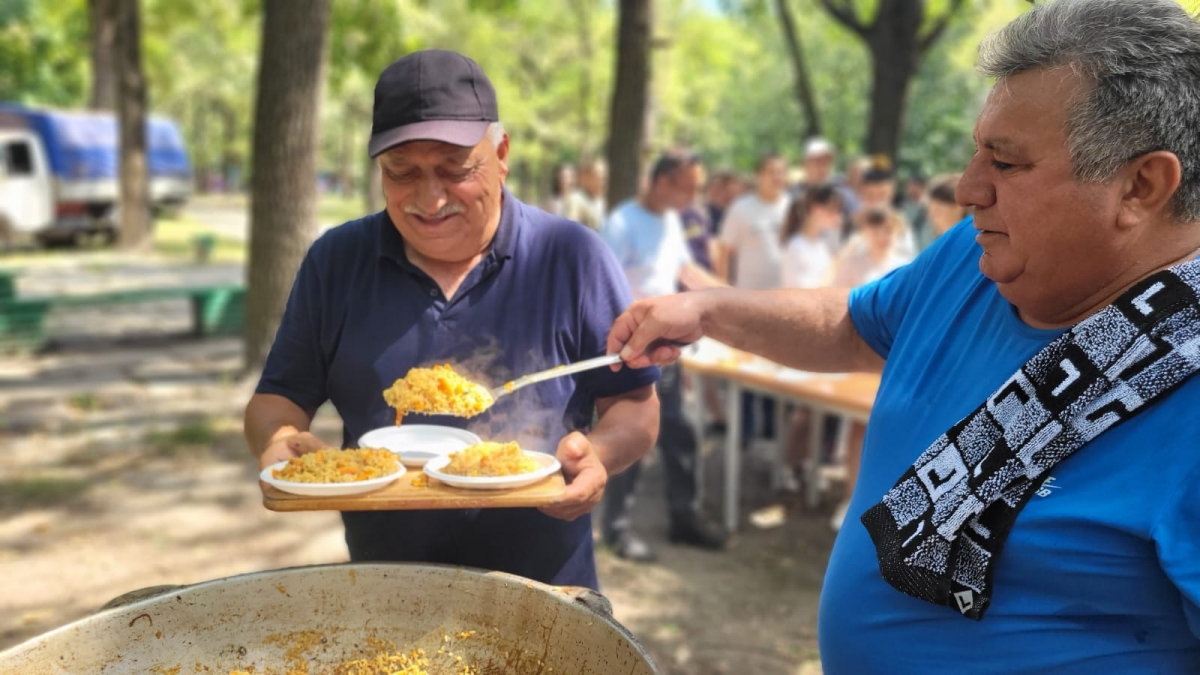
x=318, y=617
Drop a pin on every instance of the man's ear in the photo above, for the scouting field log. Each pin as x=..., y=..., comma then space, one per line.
x=502, y=156
x=1150, y=181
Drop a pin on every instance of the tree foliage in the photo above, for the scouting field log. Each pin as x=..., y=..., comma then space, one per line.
x=722, y=81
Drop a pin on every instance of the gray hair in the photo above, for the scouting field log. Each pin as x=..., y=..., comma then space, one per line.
x=495, y=134
x=1142, y=58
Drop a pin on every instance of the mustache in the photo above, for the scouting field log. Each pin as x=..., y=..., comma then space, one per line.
x=444, y=212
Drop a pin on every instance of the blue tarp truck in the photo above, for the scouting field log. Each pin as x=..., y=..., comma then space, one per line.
x=59, y=171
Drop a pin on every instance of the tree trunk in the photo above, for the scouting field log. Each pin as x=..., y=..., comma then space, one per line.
x=229, y=155
x=200, y=177
x=894, y=42
x=627, y=121
x=103, y=19
x=346, y=157
x=897, y=46
x=283, y=187
x=587, y=53
x=803, y=85
x=134, y=227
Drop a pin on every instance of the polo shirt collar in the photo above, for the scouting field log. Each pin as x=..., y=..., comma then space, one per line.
x=391, y=243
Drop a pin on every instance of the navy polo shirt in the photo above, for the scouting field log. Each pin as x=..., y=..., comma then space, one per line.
x=360, y=315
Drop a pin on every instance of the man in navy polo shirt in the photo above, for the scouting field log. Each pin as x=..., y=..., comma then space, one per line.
x=457, y=270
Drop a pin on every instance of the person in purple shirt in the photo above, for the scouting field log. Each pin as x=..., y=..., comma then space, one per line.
x=456, y=269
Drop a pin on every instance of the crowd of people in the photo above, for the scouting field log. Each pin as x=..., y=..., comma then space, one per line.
x=781, y=228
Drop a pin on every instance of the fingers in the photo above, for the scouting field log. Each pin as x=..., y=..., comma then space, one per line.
x=571, y=451
x=664, y=355
x=582, y=495
x=622, y=329
x=304, y=442
x=585, y=476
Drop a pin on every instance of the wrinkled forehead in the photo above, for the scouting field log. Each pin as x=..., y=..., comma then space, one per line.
x=1031, y=106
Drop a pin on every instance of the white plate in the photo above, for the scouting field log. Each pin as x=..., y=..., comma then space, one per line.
x=418, y=443
x=547, y=466
x=326, y=489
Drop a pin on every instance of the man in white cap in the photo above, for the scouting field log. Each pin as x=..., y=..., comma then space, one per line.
x=819, y=159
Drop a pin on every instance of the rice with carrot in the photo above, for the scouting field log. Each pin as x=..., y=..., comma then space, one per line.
x=490, y=459
x=437, y=390
x=331, y=465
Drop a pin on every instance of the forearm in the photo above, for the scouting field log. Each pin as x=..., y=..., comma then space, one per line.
x=270, y=417
x=805, y=329
x=626, y=429
x=722, y=254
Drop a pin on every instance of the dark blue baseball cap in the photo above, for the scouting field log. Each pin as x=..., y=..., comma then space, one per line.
x=432, y=95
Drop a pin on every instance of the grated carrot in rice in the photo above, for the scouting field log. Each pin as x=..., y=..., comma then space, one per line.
x=437, y=390
x=490, y=459
x=331, y=465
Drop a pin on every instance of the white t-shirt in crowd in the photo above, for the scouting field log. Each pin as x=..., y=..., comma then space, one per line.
x=752, y=229
x=807, y=263
x=649, y=246
x=855, y=266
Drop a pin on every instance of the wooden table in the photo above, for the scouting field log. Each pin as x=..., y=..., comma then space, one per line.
x=848, y=395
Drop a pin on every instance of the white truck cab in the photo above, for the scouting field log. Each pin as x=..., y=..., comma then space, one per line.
x=26, y=193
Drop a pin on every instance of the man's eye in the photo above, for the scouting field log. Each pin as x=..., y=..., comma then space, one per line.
x=401, y=177
x=1001, y=166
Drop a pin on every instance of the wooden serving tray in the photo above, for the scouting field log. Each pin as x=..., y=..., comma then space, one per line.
x=402, y=496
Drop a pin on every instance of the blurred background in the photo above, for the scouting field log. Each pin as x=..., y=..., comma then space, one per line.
x=164, y=164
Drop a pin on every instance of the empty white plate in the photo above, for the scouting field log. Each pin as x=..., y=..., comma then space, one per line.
x=418, y=443
x=547, y=466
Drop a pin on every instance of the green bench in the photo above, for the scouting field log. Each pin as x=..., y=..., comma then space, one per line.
x=218, y=309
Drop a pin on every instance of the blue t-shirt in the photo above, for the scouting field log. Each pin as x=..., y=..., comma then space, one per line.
x=649, y=246
x=1100, y=574
x=361, y=315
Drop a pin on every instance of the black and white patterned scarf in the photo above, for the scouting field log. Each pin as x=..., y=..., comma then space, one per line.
x=940, y=530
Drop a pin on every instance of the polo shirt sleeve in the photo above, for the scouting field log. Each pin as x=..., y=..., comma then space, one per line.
x=296, y=368
x=604, y=294
x=1179, y=547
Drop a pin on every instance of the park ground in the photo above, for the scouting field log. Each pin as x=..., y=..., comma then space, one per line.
x=123, y=467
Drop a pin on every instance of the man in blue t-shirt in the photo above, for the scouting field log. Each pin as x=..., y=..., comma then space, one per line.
x=1085, y=183
x=648, y=239
x=456, y=270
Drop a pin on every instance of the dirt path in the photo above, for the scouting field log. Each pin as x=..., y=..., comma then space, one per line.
x=123, y=467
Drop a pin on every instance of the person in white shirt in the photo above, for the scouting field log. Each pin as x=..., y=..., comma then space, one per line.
x=874, y=252
x=561, y=187
x=646, y=235
x=807, y=256
x=586, y=203
x=808, y=261
x=750, y=259
x=750, y=232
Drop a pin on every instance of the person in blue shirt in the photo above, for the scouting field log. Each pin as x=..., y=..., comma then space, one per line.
x=456, y=269
x=1085, y=182
x=647, y=236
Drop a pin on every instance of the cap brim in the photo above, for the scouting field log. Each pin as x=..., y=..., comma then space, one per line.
x=455, y=132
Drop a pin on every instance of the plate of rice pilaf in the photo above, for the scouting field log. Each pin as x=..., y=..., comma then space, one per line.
x=492, y=466
x=333, y=472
